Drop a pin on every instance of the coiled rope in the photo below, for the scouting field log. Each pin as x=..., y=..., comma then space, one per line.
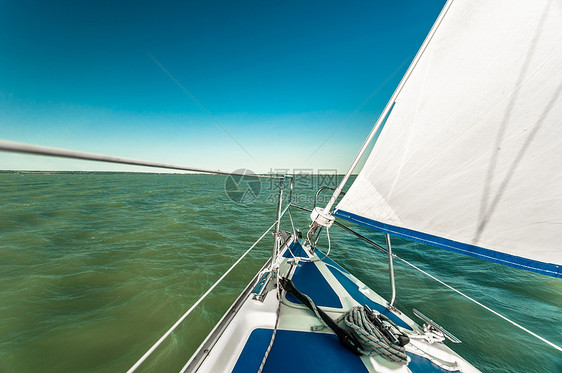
x=371, y=338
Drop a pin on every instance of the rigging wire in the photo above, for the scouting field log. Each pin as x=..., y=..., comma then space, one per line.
x=65, y=153
x=481, y=305
x=443, y=283
x=155, y=346
x=17, y=147
x=173, y=78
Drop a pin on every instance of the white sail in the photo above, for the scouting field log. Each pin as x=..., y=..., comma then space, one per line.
x=470, y=157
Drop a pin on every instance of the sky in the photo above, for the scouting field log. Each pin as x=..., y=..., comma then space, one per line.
x=263, y=85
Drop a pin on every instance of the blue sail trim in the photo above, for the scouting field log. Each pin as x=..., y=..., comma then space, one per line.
x=547, y=269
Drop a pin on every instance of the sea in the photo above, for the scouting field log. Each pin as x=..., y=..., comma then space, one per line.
x=95, y=267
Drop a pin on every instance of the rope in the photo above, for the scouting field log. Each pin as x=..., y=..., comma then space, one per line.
x=278, y=312
x=151, y=350
x=371, y=338
x=314, y=309
x=319, y=259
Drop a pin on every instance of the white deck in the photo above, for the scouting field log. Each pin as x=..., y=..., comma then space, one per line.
x=254, y=314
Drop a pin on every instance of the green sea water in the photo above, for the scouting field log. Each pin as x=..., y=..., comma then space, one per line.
x=95, y=267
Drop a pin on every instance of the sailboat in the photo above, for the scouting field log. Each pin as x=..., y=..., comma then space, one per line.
x=467, y=158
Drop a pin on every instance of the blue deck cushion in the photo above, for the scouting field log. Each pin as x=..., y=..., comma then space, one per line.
x=353, y=290
x=296, y=249
x=308, y=280
x=295, y=351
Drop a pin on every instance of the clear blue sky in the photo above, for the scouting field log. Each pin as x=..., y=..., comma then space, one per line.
x=279, y=76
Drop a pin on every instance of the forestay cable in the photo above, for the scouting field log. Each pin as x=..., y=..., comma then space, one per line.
x=155, y=346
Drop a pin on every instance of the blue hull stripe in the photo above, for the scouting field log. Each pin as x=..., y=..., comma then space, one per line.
x=548, y=269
